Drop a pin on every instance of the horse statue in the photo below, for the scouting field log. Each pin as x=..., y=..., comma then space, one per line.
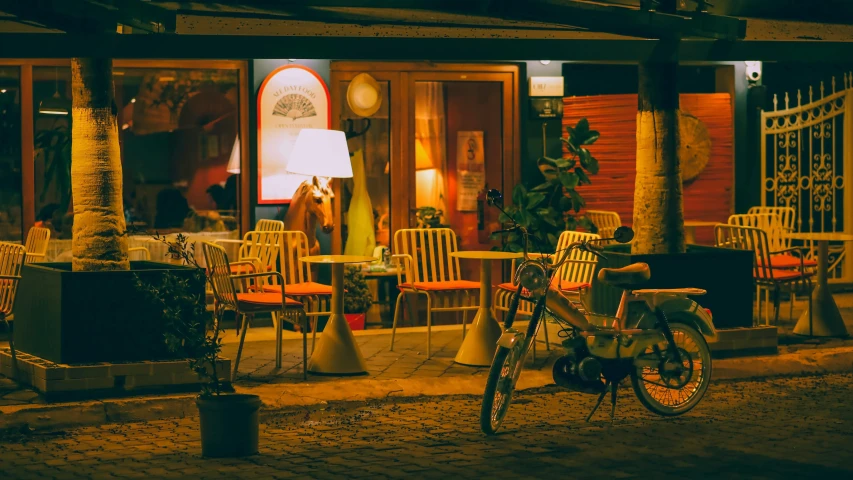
x=311, y=203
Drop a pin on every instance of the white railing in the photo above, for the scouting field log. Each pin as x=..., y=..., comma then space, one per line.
x=807, y=164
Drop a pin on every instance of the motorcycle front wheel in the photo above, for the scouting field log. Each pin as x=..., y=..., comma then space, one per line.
x=672, y=389
x=499, y=388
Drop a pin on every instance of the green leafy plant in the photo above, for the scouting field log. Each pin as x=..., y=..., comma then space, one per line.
x=190, y=329
x=357, y=299
x=548, y=209
x=429, y=217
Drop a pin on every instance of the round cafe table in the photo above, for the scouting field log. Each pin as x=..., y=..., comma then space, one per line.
x=478, y=348
x=337, y=353
x=690, y=229
x=826, y=320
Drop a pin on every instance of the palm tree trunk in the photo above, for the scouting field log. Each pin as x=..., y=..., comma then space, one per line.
x=99, y=240
x=658, y=203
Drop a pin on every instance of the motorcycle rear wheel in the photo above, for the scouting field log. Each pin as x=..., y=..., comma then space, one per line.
x=666, y=395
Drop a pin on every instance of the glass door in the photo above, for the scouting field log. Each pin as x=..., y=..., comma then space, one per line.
x=461, y=140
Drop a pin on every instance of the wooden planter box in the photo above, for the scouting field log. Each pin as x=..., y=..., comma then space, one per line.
x=88, y=317
x=725, y=273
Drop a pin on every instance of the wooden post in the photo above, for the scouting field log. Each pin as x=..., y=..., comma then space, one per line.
x=658, y=204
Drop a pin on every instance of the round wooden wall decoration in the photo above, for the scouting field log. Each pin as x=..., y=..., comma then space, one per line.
x=695, y=151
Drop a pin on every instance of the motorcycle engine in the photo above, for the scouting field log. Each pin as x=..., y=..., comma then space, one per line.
x=578, y=370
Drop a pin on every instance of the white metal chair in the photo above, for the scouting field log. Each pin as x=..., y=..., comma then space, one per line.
x=245, y=296
x=573, y=279
x=138, y=253
x=765, y=275
x=36, y=244
x=772, y=220
x=12, y=258
x=265, y=225
x=297, y=277
x=605, y=221
x=425, y=268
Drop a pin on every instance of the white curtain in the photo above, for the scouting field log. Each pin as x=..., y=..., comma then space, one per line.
x=430, y=148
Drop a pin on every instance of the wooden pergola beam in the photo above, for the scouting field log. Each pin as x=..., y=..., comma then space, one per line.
x=618, y=19
x=54, y=45
x=81, y=16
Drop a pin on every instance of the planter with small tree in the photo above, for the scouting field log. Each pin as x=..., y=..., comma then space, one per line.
x=357, y=299
x=228, y=421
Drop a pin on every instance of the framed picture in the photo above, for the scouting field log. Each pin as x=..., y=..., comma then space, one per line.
x=546, y=107
x=291, y=98
x=470, y=170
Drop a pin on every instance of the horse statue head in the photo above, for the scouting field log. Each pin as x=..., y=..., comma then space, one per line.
x=311, y=204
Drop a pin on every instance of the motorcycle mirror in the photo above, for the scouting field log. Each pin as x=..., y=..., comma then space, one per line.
x=623, y=234
x=494, y=196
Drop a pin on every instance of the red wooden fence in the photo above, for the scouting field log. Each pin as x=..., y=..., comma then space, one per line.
x=708, y=197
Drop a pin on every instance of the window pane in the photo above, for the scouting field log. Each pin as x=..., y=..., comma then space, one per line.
x=10, y=155
x=52, y=167
x=367, y=194
x=178, y=129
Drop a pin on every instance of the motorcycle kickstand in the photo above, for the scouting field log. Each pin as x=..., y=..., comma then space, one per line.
x=613, y=387
x=598, y=402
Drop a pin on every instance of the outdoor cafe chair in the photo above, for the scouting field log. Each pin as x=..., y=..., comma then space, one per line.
x=38, y=239
x=138, y=253
x=425, y=268
x=765, y=275
x=266, y=225
x=244, y=295
x=12, y=258
x=573, y=279
x=316, y=297
x=605, y=221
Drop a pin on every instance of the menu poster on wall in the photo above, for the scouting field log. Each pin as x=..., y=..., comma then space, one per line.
x=291, y=98
x=470, y=170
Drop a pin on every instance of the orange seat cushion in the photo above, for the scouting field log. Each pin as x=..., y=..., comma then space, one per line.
x=441, y=286
x=302, y=289
x=264, y=300
x=243, y=269
x=788, y=261
x=564, y=286
x=780, y=275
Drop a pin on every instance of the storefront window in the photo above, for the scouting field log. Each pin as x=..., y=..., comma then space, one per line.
x=367, y=195
x=177, y=131
x=10, y=155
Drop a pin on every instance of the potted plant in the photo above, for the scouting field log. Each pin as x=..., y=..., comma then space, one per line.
x=547, y=208
x=357, y=300
x=429, y=217
x=228, y=421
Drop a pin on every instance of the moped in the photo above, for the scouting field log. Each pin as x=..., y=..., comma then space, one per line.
x=658, y=337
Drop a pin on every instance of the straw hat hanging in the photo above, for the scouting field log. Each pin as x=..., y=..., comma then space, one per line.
x=363, y=95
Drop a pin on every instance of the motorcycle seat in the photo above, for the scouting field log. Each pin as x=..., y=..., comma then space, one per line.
x=626, y=277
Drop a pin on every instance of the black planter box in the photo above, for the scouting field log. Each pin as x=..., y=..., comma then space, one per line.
x=90, y=317
x=726, y=274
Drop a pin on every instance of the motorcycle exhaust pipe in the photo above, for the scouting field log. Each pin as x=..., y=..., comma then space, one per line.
x=563, y=308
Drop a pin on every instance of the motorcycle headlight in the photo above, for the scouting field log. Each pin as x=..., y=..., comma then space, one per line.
x=532, y=276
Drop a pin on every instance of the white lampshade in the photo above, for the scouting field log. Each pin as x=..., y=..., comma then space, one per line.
x=234, y=160
x=322, y=153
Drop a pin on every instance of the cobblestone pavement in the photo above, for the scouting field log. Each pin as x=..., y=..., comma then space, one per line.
x=782, y=428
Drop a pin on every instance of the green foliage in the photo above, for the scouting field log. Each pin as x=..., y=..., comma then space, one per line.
x=429, y=217
x=357, y=298
x=190, y=330
x=546, y=210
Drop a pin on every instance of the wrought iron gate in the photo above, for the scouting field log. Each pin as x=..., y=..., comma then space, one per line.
x=807, y=164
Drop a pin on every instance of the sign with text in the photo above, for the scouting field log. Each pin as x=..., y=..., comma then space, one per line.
x=470, y=170
x=546, y=86
x=291, y=98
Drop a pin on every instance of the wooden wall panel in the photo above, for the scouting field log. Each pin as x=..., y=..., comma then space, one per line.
x=709, y=197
